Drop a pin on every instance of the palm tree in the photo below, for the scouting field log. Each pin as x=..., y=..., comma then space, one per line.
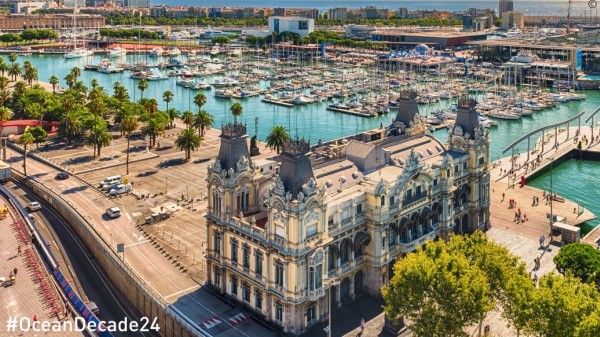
x=30, y=74
x=5, y=114
x=76, y=71
x=173, y=113
x=200, y=100
x=188, y=141
x=236, y=110
x=154, y=128
x=204, y=121
x=70, y=79
x=25, y=140
x=4, y=97
x=94, y=83
x=168, y=98
x=2, y=63
x=150, y=104
x=54, y=82
x=71, y=126
x=14, y=71
x=12, y=57
x=188, y=119
x=3, y=83
x=128, y=125
x=278, y=136
x=143, y=85
x=99, y=137
x=4, y=68
x=120, y=92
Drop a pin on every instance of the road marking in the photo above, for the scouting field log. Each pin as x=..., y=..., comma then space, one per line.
x=182, y=291
x=137, y=243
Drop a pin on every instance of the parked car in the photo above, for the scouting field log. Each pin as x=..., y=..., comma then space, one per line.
x=113, y=212
x=62, y=175
x=109, y=182
x=34, y=206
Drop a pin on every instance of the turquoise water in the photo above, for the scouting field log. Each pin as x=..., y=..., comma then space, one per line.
x=591, y=77
x=576, y=180
x=314, y=122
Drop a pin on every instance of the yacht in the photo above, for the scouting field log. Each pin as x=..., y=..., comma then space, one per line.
x=210, y=33
x=524, y=57
x=78, y=53
x=174, y=51
x=226, y=82
x=106, y=67
x=117, y=51
x=156, y=52
x=513, y=32
x=214, y=51
x=223, y=93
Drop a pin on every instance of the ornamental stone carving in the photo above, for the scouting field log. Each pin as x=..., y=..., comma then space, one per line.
x=242, y=164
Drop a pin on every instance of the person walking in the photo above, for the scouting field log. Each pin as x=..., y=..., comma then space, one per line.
x=543, y=240
x=15, y=271
x=19, y=250
x=362, y=325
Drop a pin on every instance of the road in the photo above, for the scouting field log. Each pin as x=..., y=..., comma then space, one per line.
x=158, y=272
x=91, y=281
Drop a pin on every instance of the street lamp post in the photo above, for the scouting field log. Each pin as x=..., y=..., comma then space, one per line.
x=331, y=283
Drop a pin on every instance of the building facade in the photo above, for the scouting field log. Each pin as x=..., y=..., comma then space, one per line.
x=280, y=24
x=513, y=19
x=19, y=22
x=505, y=6
x=289, y=235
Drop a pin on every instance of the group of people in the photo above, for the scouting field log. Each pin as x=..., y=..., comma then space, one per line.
x=535, y=201
x=520, y=217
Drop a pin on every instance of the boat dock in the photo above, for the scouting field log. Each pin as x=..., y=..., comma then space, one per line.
x=277, y=102
x=350, y=111
x=505, y=187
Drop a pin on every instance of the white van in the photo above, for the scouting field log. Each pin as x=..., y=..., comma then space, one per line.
x=120, y=189
x=109, y=182
x=113, y=212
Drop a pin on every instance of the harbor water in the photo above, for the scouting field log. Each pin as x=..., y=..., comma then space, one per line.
x=313, y=121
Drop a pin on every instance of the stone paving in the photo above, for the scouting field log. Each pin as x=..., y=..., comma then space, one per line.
x=23, y=299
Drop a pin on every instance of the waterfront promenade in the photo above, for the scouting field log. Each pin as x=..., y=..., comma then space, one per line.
x=26, y=298
x=504, y=184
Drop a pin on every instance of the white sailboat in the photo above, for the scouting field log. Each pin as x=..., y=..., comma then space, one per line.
x=117, y=51
x=77, y=52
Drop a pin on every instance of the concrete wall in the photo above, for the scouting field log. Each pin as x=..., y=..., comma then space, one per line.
x=137, y=291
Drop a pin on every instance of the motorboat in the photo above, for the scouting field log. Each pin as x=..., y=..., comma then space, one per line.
x=514, y=32
x=117, y=51
x=78, y=53
x=214, y=51
x=105, y=66
x=156, y=52
x=226, y=82
x=174, y=52
x=223, y=93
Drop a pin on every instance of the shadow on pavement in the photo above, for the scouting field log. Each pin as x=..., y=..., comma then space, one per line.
x=78, y=160
x=75, y=189
x=146, y=174
x=171, y=162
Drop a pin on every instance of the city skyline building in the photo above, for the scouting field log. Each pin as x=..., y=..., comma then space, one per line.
x=505, y=6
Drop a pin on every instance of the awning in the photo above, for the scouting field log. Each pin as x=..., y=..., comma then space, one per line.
x=361, y=238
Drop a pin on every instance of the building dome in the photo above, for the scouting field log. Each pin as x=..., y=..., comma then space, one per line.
x=421, y=49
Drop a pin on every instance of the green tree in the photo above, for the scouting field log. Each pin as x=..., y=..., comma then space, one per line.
x=120, y=92
x=173, y=113
x=4, y=82
x=582, y=260
x=439, y=292
x=39, y=135
x=200, y=100
x=590, y=325
x=220, y=40
x=99, y=137
x=12, y=57
x=25, y=140
x=15, y=71
x=203, y=121
x=561, y=304
x=155, y=126
x=5, y=115
x=188, y=141
x=54, y=82
x=188, y=119
x=168, y=98
x=70, y=127
x=129, y=124
x=142, y=85
x=278, y=136
x=236, y=110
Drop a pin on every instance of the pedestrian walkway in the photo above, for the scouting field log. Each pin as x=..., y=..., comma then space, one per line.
x=30, y=296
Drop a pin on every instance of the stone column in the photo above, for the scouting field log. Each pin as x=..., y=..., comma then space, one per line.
x=352, y=294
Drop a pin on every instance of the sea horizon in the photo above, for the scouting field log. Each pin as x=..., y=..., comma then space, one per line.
x=532, y=7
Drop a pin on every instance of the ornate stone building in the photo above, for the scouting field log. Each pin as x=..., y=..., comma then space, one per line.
x=282, y=230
